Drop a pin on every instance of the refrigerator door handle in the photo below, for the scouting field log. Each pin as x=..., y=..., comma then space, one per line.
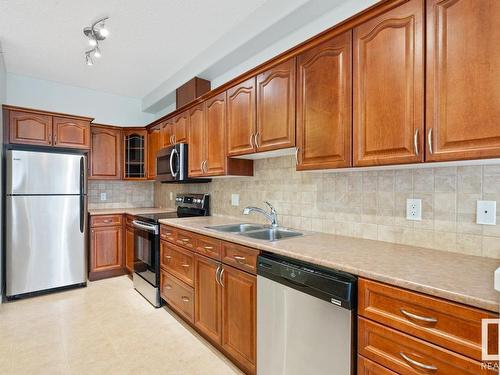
x=82, y=196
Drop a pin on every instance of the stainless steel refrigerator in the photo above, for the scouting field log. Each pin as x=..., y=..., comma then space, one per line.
x=46, y=214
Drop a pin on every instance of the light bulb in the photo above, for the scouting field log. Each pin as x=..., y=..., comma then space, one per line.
x=103, y=32
x=92, y=42
x=97, y=52
x=88, y=60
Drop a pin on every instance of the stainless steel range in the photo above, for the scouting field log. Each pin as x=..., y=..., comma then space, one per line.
x=146, y=274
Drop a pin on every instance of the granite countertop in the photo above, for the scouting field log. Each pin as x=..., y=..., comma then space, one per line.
x=461, y=278
x=130, y=211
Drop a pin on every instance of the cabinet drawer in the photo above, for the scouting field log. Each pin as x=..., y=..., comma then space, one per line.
x=367, y=367
x=186, y=239
x=208, y=246
x=179, y=296
x=178, y=262
x=407, y=355
x=105, y=220
x=240, y=256
x=453, y=326
x=168, y=233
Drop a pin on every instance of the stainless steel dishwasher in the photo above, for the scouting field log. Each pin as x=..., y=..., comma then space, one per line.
x=306, y=319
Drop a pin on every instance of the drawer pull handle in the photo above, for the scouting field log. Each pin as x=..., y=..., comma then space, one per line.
x=168, y=286
x=107, y=221
x=185, y=265
x=168, y=234
x=185, y=299
x=185, y=240
x=416, y=363
x=418, y=317
x=240, y=260
x=209, y=247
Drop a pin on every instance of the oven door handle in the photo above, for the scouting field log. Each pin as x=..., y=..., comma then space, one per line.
x=144, y=226
x=174, y=174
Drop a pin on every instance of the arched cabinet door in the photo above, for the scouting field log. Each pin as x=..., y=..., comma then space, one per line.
x=71, y=133
x=105, y=154
x=463, y=79
x=388, y=87
x=241, y=118
x=324, y=116
x=215, y=122
x=30, y=128
x=197, y=141
x=276, y=107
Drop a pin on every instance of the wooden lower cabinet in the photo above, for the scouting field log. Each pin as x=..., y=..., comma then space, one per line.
x=129, y=249
x=178, y=295
x=239, y=296
x=106, y=252
x=207, y=311
x=367, y=367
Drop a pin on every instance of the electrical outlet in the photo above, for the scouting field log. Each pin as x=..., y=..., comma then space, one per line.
x=235, y=200
x=486, y=212
x=414, y=209
x=103, y=197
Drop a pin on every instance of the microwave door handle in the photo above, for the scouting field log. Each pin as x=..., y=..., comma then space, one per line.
x=174, y=174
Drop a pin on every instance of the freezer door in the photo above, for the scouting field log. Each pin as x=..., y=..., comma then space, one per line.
x=45, y=248
x=30, y=172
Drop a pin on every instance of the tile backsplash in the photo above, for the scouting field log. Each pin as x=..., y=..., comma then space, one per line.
x=366, y=204
x=126, y=194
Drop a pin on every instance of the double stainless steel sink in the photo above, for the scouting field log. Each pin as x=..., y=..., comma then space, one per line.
x=257, y=231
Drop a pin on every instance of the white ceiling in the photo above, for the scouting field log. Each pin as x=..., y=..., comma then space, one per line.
x=149, y=40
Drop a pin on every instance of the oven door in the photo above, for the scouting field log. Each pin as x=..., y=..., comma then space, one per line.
x=147, y=254
x=168, y=164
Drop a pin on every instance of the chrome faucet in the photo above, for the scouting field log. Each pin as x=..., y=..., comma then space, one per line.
x=272, y=216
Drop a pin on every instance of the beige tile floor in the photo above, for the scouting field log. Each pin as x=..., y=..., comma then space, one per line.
x=106, y=328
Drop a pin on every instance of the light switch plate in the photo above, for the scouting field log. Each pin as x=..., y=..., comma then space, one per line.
x=171, y=196
x=103, y=197
x=486, y=212
x=235, y=200
x=414, y=209
x=497, y=279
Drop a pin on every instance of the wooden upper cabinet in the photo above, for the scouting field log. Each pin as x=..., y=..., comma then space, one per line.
x=463, y=79
x=105, y=153
x=276, y=107
x=207, y=310
x=166, y=132
x=30, y=128
x=152, y=149
x=180, y=128
x=324, y=117
x=239, y=316
x=197, y=141
x=215, y=123
x=241, y=118
x=71, y=133
x=388, y=85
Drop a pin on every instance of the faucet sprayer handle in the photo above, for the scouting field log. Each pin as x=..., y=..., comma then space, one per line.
x=270, y=206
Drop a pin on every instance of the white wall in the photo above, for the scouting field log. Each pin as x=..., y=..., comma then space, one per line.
x=106, y=108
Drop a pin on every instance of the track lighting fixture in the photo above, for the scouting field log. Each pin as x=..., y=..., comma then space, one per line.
x=96, y=33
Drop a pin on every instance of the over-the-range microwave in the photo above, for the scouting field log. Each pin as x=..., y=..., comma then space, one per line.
x=172, y=165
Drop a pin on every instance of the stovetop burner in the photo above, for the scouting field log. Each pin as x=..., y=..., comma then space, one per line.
x=188, y=205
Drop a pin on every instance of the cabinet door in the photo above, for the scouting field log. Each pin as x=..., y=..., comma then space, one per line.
x=153, y=147
x=197, y=139
x=30, y=128
x=129, y=249
x=215, y=122
x=166, y=133
x=463, y=79
x=71, y=133
x=207, y=311
x=135, y=158
x=239, y=316
x=324, y=116
x=276, y=107
x=180, y=128
x=389, y=87
x=241, y=118
x=106, y=251
x=105, y=153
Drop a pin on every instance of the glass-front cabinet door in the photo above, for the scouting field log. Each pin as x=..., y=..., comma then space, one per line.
x=135, y=154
